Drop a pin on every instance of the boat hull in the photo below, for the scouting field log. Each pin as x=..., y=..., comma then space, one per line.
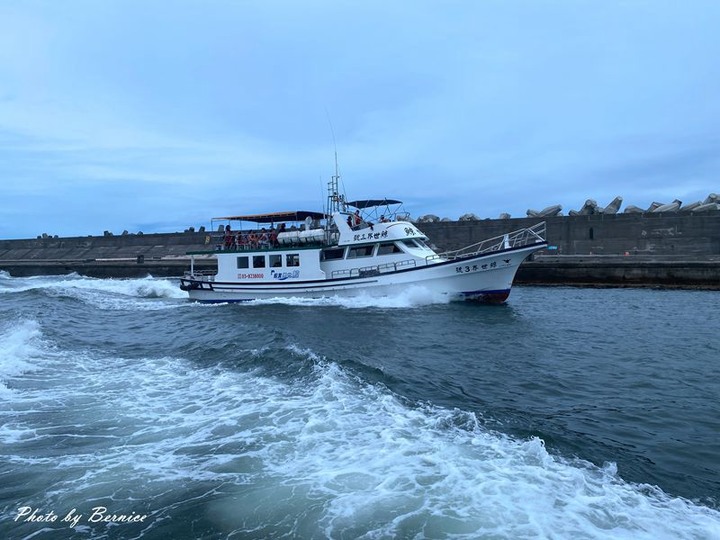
x=483, y=278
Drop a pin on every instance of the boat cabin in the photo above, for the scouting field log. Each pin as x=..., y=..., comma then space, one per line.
x=318, y=247
x=300, y=264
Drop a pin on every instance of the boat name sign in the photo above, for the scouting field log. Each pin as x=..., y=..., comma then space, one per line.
x=370, y=236
x=479, y=267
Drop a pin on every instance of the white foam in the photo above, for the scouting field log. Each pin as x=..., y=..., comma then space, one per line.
x=124, y=294
x=409, y=297
x=20, y=346
x=147, y=287
x=329, y=454
x=369, y=458
x=20, y=284
x=110, y=294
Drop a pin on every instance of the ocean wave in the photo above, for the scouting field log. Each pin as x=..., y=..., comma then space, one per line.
x=110, y=294
x=327, y=454
x=20, y=347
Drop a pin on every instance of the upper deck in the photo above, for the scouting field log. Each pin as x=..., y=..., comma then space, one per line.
x=304, y=230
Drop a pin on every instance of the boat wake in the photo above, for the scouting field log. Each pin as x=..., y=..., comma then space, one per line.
x=110, y=294
x=323, y=455
x=21, y=345
x=414, y=296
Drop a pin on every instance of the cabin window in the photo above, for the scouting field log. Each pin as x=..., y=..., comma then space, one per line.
x=362, y=251
x=275, y=261
x=388, y=249
x=292, y=259
x=333, y=254
x=242, y=262
x=592, y=234
x=258, y=261
x=411, y=244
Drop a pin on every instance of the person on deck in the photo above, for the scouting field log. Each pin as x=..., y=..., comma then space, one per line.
x=263, y=238
x=273, y=238
x=241, y=240
x=229, y=238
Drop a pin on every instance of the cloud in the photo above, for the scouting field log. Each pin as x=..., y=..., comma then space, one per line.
x=208, y=108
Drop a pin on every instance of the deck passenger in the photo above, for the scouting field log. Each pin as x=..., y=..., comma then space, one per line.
x=229, y=238
x=263, y=239
x=273, y=238
x=242, y=240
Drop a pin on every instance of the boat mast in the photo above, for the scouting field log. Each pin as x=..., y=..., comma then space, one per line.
x=335, y=200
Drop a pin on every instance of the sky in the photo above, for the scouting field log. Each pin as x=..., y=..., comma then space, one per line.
x=155, y=116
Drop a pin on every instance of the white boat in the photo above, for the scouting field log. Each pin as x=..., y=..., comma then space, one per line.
x=349, y=250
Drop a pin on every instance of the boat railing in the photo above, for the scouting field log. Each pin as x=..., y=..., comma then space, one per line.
x=201, y=275
x=374, y=270
x=520, y=238
x=293, y=239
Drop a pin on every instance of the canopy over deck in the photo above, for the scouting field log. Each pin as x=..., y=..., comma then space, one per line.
x=275, y=217
x=369, y=203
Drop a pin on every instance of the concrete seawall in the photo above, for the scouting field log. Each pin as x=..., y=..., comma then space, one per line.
x=662, y=235
x=618, y=272
x=671, y=250
x=618, y=250
x=130, y=255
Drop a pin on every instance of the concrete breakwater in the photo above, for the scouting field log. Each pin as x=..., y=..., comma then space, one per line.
x=107, y=256
x=680, y=250
x=617, y=250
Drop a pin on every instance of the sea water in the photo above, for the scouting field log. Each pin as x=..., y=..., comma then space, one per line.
x=127, y=411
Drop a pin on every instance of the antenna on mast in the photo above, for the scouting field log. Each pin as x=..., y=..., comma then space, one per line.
x=336, y=201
